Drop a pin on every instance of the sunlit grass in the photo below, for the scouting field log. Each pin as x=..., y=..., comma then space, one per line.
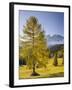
x=50, y=71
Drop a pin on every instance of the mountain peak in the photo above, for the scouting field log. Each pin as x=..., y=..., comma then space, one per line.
x=55, y=39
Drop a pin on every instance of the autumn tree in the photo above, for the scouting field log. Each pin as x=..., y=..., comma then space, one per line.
x=36, y=50
x=55, y=63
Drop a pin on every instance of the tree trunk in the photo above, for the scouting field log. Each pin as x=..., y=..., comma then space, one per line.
x=33, y=60
x=34, y=72
x=33, y=66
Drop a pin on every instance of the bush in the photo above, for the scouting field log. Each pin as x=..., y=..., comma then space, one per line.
x=22, y=62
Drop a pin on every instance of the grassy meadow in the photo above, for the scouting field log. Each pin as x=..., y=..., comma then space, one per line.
x=49, y=72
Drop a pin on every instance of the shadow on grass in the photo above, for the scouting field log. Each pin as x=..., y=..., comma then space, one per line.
x=60, y=74
x=60, y=65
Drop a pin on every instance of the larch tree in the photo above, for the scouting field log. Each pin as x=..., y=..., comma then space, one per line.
x=55, y=63
x=37, y=43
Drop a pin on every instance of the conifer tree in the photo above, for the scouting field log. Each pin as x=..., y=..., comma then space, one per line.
x=36, y=50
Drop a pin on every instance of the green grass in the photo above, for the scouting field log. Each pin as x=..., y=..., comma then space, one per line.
x=49, y=72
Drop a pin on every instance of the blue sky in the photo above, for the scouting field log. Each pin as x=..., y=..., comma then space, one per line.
x=52, y=22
